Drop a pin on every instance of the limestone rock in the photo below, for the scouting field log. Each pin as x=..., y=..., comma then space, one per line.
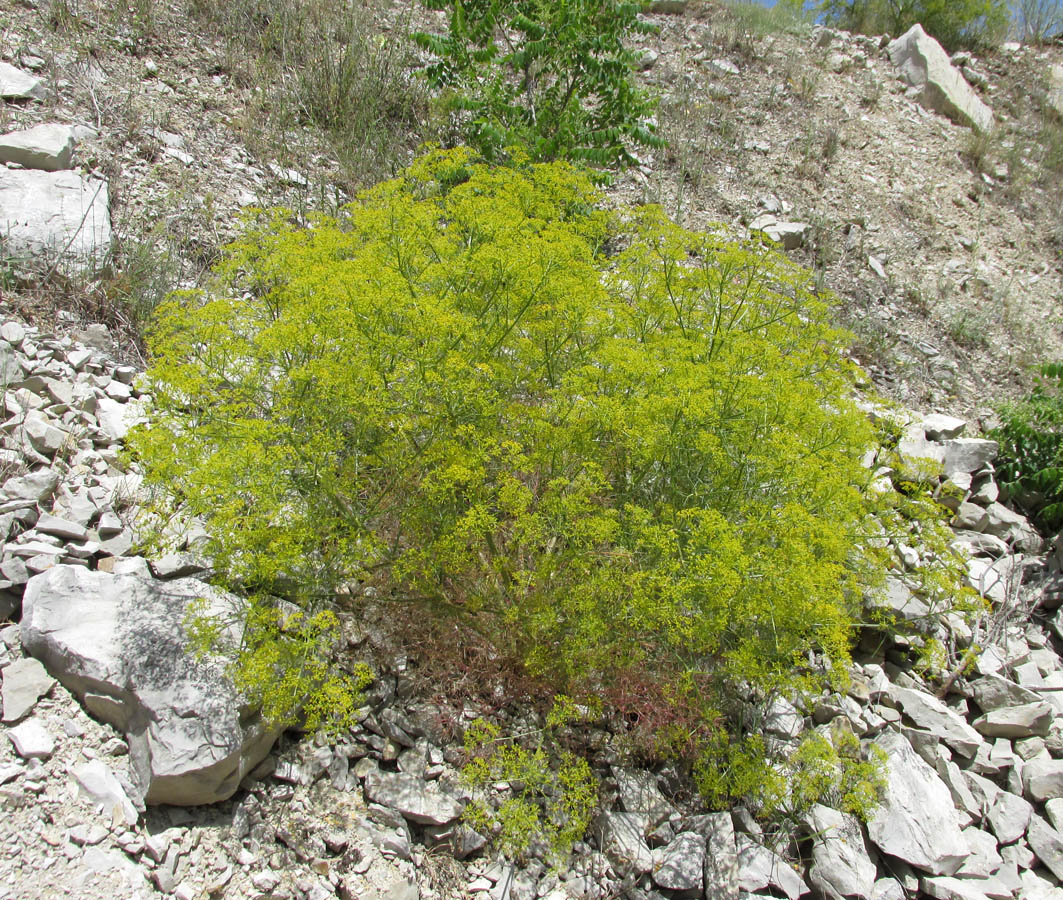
x=56, y=215
x=759, y=867
x=622, y=839
x=932, y=715
x=1009, y=816
x=18, y=85
x=639, y=794
x=1055, y=90
x=1042, y=779
x=922, y=62
x=25, y=682
x=916, y=821
x=416, y=799
x=1016, y=721
x=969, y=455
x=49, y=147
x=839, y=853
x=117, y=642
x=1047, y=843
x=994, y=691
x=680, y=865
x=98, y=783
x=721, y=857
x=938, y=427
x=32, y=740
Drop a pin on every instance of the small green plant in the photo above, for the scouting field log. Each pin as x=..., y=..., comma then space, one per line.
x=837, y=774
x=555, y=78
x=550, y=793
x=281, y=662
x=1030, y=466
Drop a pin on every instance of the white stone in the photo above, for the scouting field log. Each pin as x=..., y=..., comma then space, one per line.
x=98, y=784
x=932, y=715
x=32, y=740
x=916, y=820
x=759, y=868
x=18, y=85
x=118, y=643
x=61, y=217
x=1047, y=843
x=1016, y=721
x=923, y=63
x=680, y=865
x=1043, y=779
x=25, y=682
x=49, y=147
x=840, y=855
x=623, y=841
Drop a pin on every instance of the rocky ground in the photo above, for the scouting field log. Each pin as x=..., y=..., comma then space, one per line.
x=947, y=258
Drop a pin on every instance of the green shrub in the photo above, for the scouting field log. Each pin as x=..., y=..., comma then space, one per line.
x=975, y=24
x=1031, y=449
x=620, y=449
x=552, y=77
x=551, y=794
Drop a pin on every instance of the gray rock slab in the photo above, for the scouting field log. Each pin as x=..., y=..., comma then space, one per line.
x=898, y=598
x=32, y=740
x=622, y=837
x=932, y=715
x=36, y=486
x=639, y=793
x=984, y=859
x=55, y=217
x=98, y=784
x=938, y=427
x=1009, y=816
x=49, y=147
x=922, y=62
x=840, y=854
x=1016, y=721
x=946, y=888
x=680, y=865
x=994, y=691
x=418, y=800
x=18, y=85
x=916, y=820
x=721, y=857
x=1047, y=844
x=1042, y=779
x=969, y=455
x=118, y=643
x=1054, y=98
x=760, y=868
x=61, y=528
x=25, y=682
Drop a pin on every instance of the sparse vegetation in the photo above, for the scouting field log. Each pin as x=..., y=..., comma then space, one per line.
x=330, y=64
x=955, y=23
x=1031, y=446
x=1038, y=21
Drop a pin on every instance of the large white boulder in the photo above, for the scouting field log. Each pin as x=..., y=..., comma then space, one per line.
x=922, y=62
x=118, y=642
x=59, y=217
x=916, y=820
